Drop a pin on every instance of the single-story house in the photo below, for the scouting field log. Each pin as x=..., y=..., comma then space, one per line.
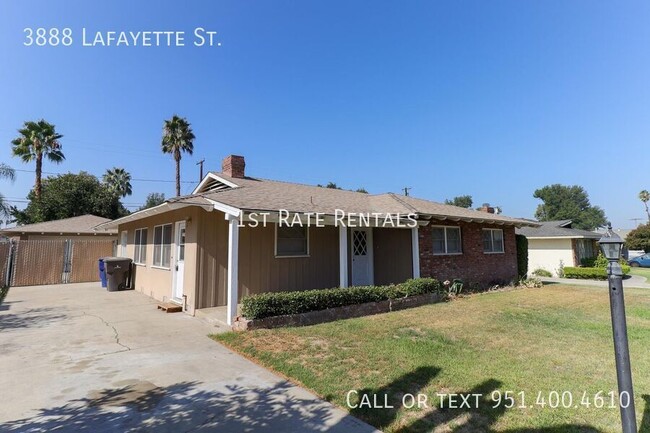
x=78, y=228
x=237, y=235
x=555, y=242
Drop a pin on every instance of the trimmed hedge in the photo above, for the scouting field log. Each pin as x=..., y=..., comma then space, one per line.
x=282, y=303
x=590, y=273
x=522, y=255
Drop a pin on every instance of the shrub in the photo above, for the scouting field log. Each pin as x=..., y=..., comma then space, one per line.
x=542, y=273
x=522, y=255
x=598, y=262
x=283, y=303
x=3, y=293
x=530, y=283
x=590, y=273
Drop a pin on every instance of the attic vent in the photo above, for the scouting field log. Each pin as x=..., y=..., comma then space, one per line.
x=215, y=185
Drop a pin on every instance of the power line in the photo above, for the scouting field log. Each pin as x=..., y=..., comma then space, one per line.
x=133, y=179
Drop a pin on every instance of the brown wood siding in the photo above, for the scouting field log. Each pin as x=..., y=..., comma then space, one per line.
x=212, y=259
x=393, y=257
x=260, y=271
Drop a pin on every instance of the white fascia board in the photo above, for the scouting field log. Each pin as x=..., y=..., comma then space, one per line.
x=230, y=210
x=212, y=176
x=560, y=237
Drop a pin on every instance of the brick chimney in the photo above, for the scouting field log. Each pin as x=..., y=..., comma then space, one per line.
x=233, y=166
x=487, y=208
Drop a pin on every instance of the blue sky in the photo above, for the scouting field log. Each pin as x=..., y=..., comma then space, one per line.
x=492, y=99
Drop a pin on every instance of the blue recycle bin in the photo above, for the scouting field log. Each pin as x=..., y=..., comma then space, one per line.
x=102, y=272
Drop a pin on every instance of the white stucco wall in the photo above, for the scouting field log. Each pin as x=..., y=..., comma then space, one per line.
x=547, y=253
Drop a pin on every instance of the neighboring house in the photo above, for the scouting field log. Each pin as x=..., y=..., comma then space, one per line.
x=205, y=249
x=78, y=228
x=555, y=242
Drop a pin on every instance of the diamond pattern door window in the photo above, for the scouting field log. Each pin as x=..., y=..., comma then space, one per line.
x=359, y=243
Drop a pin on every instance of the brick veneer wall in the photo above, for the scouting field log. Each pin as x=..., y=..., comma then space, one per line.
x=473, y=265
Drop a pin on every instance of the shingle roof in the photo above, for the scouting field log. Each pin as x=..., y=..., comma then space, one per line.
x=270, y=195
x=83, y=224
x=556, y=229
x=254, y=194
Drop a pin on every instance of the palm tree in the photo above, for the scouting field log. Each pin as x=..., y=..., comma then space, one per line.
x=118, y=181
x=177, y=138
x=644, y=196
x=38, y=140
x=6, y=172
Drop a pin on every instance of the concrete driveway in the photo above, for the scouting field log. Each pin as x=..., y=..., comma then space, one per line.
x=77, y=358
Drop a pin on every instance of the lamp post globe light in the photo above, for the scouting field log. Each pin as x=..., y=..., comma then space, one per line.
x=611, y=245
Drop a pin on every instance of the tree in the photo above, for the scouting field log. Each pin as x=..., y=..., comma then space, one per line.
x=362, y=190
x=118, y=181
x=177, y=138
x=461, y=201
x=6, y=172
x=561, y=202
x=330, y=185
x=644, y=196
x=639, y=238
x=153, y=199
x=70, y=195
x=37, y=140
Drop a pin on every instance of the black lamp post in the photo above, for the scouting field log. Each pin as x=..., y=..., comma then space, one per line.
x=611, y=245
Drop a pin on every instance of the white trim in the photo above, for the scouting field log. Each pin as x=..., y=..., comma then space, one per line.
x=275, y=251
x=233, y=267
x=343, y=256
x=212, y=176
x=503, y=241
x=230, y=210
x=174, y=257
x=460, y=238
x=136, y=247
x=562, y=237
x=162, y=240
x=145, y=213
x=415, y=249
x=162, y=268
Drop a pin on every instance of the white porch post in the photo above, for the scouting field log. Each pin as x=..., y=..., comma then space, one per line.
x=415, y=248
x=343, y=256
x=233, y=266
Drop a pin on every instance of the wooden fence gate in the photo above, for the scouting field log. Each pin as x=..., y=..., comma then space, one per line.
x=38, y=262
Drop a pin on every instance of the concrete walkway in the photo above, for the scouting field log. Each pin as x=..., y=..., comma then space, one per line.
x=75, y=358
x=633, y=282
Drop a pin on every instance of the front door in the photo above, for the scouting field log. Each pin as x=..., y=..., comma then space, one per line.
x=362, y=269
x=179, y=261
x=123, y=239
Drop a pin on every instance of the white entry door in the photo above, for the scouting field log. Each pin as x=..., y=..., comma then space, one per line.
x=123, y=241
x=179, y=261
x=362, y=269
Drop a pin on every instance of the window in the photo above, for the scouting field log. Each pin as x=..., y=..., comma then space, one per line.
x=291, y=241
x=162, y=245
x=446, y=240
x=492, y=240
x=140, y=254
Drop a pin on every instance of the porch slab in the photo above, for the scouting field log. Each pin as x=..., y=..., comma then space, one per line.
x=216, y=316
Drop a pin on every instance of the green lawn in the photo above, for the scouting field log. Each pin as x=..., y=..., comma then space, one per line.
x=530, y=341
x=644, y=272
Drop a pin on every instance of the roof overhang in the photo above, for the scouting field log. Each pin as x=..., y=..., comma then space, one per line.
x=562, y=237
x=500, y=222
x=156, y=210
